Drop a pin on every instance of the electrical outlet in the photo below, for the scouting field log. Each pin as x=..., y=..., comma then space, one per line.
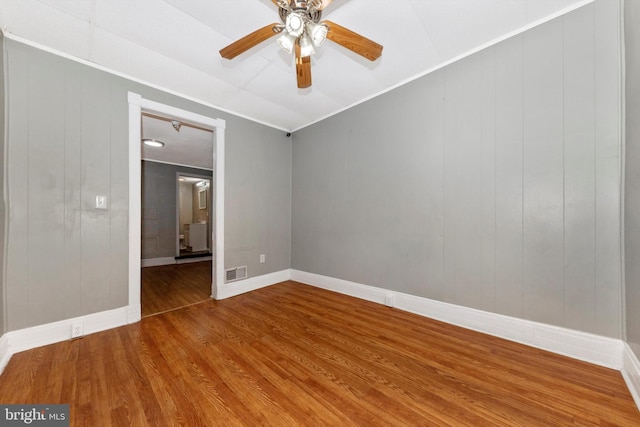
x=101, y=202
x=77, y=330
x=389, y=300
x=262, y=258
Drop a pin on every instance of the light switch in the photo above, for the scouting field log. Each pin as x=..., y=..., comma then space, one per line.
x=101, y=202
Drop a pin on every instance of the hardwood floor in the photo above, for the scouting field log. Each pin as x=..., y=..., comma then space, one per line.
x=291, y=354
x=168, y=287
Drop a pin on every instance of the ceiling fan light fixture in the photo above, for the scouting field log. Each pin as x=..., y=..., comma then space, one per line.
x=294, y=24
x=317, y=32
x=153, y=143
x=306, y=46
x=286, y=42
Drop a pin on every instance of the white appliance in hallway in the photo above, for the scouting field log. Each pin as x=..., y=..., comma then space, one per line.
x=195, y=236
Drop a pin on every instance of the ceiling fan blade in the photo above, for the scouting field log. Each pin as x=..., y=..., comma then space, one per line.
x=353, y=41
x=303, y=69
x=248, y=41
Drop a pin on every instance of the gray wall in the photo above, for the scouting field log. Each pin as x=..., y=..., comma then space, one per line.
x=258, y=216
x=492, y=183
x=632, y=174
x=2, y=199
x=159, y=207
x=68, y=142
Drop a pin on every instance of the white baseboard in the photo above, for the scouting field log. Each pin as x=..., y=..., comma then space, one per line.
x=134, y=313
x=591, y=348
x=631, y=373
x=5, y=355
x=191, y=260
x=155, y=262
x=49, y=333
x=238, y=287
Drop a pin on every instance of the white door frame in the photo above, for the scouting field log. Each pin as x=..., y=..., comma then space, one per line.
x=138, y=104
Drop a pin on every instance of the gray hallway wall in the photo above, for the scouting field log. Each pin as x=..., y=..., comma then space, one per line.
x=632, y=175
x=3, y=206
x=67, y=142
x=492, y=183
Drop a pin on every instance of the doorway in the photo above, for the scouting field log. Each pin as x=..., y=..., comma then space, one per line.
x=138, y=106
x=177, y=174
x=193, y=225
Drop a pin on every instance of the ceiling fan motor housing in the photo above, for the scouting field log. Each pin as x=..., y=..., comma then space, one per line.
x=302, y=8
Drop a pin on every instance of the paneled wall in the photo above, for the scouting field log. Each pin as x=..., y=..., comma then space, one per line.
x=632, y=175
x=3, y=207
x=258, y=216
x=67, y=142
x=492, y=183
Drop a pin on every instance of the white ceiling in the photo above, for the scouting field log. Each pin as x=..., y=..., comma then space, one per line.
x=174, y=44
x=188, y=146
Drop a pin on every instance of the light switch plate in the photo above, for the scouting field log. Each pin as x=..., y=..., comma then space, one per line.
x=101, y=202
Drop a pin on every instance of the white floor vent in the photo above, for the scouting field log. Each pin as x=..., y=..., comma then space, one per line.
x=235, y=273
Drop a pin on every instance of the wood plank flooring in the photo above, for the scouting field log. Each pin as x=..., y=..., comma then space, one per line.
x=168, y=287
x=291, y=354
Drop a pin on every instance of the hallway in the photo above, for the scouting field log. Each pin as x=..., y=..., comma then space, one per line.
x=167, y=287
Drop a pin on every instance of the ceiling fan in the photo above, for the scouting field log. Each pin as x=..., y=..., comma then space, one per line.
x=301, y=32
